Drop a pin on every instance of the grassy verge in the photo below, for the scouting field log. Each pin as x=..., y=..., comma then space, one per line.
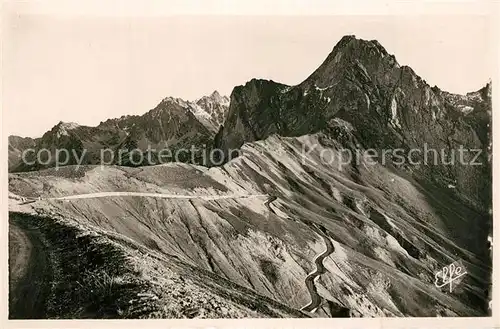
x=91, y=277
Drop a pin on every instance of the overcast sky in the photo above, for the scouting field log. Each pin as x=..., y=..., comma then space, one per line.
x=86, y=70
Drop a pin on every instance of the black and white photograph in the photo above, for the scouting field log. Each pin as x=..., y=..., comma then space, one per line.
x=248, y=166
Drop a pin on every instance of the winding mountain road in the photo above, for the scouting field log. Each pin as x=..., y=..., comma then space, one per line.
x=270, y=199
x=318, y=261
x=314, y=275
x=23, y=262
x=149, y=195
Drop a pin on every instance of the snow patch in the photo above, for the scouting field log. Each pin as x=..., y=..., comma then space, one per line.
x=322, y=89
x=394, y=113
x=65, y=127
x=285, y=90
x=465, y=109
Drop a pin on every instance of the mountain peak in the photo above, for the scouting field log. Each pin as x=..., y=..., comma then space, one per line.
x=215, y=94
x=351, y=43
x=214, y=97
x=351, y=52
x=346, y=39
x=175, y=100
x=60, y=129
x=67, y=125
x=63, y=128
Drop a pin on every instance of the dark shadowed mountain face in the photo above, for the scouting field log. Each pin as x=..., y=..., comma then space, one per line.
x=388, y=105
x=16, y=147
x=173, y=124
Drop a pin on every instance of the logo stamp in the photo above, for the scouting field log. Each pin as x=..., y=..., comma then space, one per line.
x=450, y=275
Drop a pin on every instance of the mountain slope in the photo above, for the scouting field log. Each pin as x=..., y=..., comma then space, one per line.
x=390, y=233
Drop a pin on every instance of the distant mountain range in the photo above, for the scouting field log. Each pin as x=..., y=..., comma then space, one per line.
x=173, y=124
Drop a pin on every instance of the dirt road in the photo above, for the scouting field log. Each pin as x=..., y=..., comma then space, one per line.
x=314, y=275
x=29, y=272
x=156, y=195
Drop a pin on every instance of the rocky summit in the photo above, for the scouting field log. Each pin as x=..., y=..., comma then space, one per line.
x=289, y=227
x=388, y=105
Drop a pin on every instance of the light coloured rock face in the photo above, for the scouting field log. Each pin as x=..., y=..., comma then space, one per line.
x=390, y=233
x=216, y=106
